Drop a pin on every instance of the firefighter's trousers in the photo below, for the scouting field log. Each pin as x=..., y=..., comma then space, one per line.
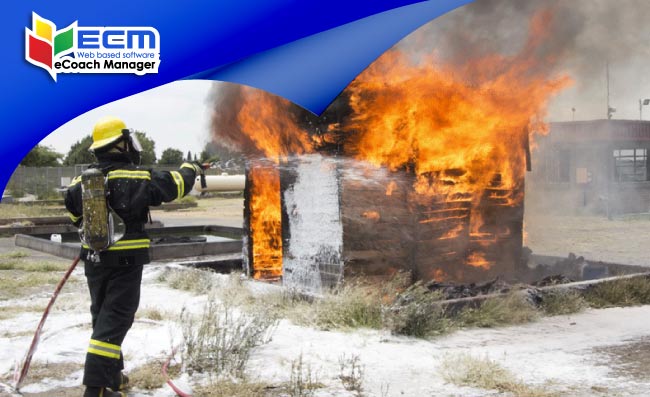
x=115, y=295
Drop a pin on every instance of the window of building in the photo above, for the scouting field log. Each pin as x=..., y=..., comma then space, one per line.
x=558, y=166
x=631, y=165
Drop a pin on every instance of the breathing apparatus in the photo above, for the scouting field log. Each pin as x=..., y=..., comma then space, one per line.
x=101, y=226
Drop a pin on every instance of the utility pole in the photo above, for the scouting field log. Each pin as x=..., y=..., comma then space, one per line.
x=642, y=103
x=610, y=110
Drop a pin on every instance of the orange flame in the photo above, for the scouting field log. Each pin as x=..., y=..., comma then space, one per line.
x=267, y=129
x=390, y=188
x=258, y=123
x=374, y=215
x=265, y=222
x=461, y=129
x=477, y=259
x=453, y=233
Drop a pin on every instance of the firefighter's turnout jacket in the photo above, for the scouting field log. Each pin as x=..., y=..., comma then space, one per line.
x=114, y=280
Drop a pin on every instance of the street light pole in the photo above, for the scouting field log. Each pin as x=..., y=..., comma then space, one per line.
x=642, y=103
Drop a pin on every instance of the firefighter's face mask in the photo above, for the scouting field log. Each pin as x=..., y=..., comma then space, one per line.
x=134, y=148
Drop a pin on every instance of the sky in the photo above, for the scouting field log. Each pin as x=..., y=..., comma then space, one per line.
x=174, y=116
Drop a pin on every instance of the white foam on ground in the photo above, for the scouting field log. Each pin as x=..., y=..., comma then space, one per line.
x=557, y=349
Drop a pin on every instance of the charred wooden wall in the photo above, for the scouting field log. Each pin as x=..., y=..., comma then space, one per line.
x=388, y=227
x=348, y=218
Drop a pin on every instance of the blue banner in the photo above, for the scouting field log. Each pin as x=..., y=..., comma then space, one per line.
x=63, y=60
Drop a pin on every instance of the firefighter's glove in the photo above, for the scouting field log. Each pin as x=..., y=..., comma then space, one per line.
x=198, y=167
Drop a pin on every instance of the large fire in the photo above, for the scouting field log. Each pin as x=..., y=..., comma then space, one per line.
x=265, y=221
x=263, y=128
x=460, y=130
x=469, y=119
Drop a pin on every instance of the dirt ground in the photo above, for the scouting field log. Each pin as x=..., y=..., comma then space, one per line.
x=210, y=211
x=621, y=240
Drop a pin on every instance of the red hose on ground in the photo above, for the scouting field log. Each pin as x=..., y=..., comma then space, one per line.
x=20, y=376
x=171, y=384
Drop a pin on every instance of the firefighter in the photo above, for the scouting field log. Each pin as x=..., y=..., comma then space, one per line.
x=114, y=274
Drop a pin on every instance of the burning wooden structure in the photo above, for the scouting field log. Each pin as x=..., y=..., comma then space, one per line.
x=336, y=217
x=418, y=166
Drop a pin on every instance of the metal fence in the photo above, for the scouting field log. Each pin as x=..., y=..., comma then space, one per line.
x=48, y=182
x=42, y=182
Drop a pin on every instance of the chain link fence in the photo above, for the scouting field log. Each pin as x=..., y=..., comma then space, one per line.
x=42, y=182
x=49, y=182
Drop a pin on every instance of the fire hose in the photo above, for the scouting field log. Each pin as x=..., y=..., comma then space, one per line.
x=171, y=384
x=20, y=376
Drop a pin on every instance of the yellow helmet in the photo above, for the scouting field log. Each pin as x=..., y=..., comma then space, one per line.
x=106, y=131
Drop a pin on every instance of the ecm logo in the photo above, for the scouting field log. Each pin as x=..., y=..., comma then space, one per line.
x=117, y=38
x=92, y=49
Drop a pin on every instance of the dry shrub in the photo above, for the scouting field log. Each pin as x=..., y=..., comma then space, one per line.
x=234, y=290
x=222, y=338
x=192, y=280
x=562, y=302
x=483, y=373
x=151, y=313
x=351, y=373
x=417, y=312
x=303, y=381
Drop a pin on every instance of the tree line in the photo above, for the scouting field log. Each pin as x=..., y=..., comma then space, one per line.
x=44, y=156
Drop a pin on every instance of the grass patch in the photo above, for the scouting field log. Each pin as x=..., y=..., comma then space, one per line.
x=562, y=302
x=13, y=310
x=31, y=211
x=39, y=371
x=623, y=292
x=354, y=306
x=15, y=254
x=241, y=388
x=483, y=373
x=192, y=280
x=503, y=310
x=32, y=266
x=21, y=283
x=189, y=199
x=151, y=313
x=149, y=376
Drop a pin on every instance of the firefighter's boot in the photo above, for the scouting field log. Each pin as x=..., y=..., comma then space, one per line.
x=102, y=392
x=122, y=382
